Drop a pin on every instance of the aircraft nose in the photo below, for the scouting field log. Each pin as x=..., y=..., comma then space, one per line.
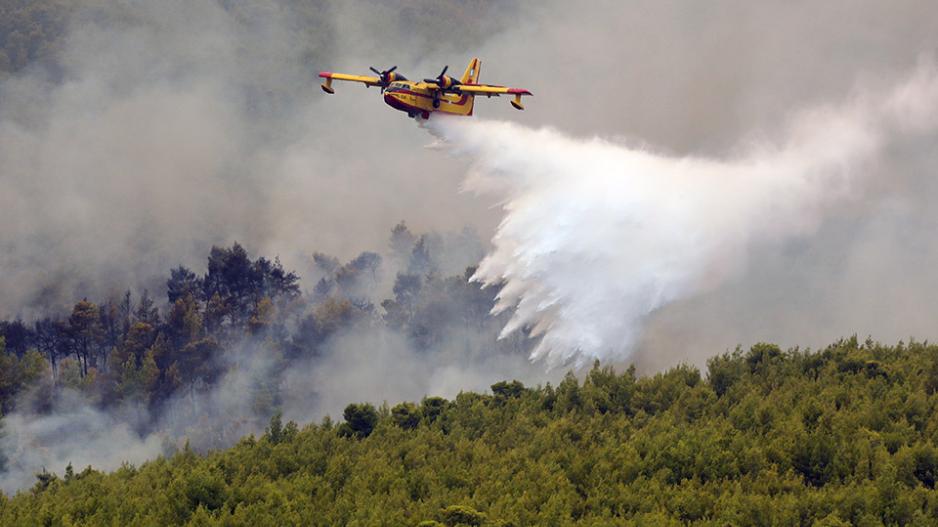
x=394, y=102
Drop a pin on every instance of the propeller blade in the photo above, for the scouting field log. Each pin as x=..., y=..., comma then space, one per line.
x=372, y=68
x=444, y=70
x=432, y=81
x=392, y=69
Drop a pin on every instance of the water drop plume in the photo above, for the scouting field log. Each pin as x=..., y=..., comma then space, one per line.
x=597, y=235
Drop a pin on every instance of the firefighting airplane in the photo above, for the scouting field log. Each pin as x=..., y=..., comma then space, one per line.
x=442, y=94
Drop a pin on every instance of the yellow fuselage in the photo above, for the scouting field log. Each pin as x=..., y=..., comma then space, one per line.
x=416, y=98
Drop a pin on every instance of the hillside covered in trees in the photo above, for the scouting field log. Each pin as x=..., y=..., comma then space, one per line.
x=843, y=436
x=177, y=363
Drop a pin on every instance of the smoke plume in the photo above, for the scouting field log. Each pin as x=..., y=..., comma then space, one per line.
x=74, y=433
x=597, y=235
x=166, y=127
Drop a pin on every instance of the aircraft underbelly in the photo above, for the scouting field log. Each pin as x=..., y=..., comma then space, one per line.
x=404, y=103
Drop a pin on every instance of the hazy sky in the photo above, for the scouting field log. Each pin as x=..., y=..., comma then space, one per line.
x=177, y=125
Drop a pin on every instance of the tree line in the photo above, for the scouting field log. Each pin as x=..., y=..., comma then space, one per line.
x=842, y=436
x=144, y=350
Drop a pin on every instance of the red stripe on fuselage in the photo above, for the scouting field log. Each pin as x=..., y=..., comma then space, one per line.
x=461, y=102
x=398, y=104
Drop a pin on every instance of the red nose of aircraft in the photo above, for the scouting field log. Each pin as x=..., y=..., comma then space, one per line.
x=394, y=102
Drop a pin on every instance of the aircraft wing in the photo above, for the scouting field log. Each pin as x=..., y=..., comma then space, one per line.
x=489, y=91
x=364, y=79
x=486, y=89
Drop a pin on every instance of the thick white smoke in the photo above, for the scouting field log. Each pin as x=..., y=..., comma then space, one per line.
x=597, y=235
x=74, y=433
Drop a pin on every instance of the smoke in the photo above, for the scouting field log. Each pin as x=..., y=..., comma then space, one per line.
x=381, y=366
x=162, y=128
x=76, y=434
x=366, y=362
x=251, y=378
x=597, y=236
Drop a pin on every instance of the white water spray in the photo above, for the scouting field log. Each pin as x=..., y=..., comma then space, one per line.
x=596, y=235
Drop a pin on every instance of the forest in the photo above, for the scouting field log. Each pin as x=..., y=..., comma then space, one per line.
x=844, y=435
x=841, y=436
x=154, y=353
x=209, y=397
x=207, y=354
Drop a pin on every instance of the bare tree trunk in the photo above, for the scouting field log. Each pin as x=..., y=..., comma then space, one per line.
x=54, y=366
x=83, y=361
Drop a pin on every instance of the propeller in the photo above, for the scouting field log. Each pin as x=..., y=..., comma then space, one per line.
x=442, y=80
x=386, y=76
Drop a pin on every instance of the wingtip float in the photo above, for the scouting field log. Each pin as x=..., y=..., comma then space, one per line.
x=439, y=94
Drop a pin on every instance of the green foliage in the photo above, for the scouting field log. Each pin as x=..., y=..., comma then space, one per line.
x=274, y=432
x=813, y=458
x=124, y=350
x=17, y=374
x=277, y=433
x=360, y=420
x=432, y=407
x=406, y=415
x=794, y=439
x=3, y=458
x=931, y=381
x=505, y=390
x=44, y=480
x=462, y=515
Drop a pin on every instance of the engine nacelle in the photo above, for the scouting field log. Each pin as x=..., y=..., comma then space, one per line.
x=390, y=77
x=444, y=81
x=447, y=82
